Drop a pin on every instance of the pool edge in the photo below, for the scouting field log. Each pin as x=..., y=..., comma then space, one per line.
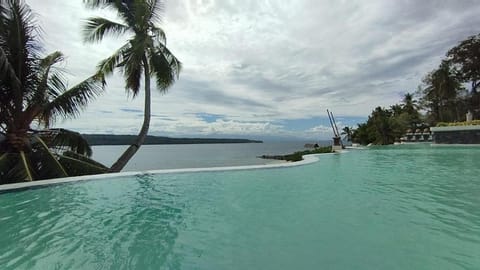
x=307, y=159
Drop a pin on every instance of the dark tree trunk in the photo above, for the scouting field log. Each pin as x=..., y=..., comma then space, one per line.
x=132, y=149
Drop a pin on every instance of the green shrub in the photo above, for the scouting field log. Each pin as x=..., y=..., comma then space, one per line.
x=297, y=156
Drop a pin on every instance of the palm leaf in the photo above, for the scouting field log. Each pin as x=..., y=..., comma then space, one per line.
x=71, y=102
x=156, y=9
x=159, y=34
x=123, y=8
x=56, y=85
x=97, y=28
x=7, y=72
x=26, y=167
x=100, y=3
x=77, y=164
x=133, y=66
x=107, y=65
x=18, y=42
x=40, y=94
x=47, y=165
x=52, y=59
x=165, y=66
x=65, y=139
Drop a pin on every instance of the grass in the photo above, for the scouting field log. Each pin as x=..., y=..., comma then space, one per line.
x=298, y=156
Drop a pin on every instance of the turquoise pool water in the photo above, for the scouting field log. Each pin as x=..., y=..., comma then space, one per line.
x=399, y=207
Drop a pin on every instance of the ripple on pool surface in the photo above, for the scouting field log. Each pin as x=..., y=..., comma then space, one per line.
x=385, y=208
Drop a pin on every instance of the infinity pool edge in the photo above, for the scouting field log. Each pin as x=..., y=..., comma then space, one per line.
x=307, y=159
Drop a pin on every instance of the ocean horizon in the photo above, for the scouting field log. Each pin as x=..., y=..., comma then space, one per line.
x=178, y=156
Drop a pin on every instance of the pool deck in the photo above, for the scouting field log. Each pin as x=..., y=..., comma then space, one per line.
x=307, y=159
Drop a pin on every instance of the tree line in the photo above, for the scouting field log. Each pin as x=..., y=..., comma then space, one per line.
x=446, y=94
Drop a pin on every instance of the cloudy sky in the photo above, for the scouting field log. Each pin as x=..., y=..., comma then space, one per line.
x=267, y=69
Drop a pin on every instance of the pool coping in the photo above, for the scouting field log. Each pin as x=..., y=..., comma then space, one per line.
x=307, y=159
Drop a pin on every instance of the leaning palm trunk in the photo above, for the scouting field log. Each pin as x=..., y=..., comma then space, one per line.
x=132, y=149
x=145, y=53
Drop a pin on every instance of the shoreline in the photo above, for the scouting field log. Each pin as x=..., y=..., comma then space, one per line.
x=298, y=155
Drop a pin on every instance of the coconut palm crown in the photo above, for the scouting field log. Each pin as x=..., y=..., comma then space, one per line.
x=145, y=54
x=347, y=132
x=33, y=93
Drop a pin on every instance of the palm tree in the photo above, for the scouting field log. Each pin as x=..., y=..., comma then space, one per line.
x=145, y=53
x=347, y=131
x=33, y=93
x=443, y=93
x=410, y=105
x=410, y=108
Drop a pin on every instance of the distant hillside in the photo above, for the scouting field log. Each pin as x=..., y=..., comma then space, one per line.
x=106, y=139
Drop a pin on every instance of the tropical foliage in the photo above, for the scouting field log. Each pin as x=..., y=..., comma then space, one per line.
x=144, y=55
x=298, y=156
x=465, y=58
x=347, y=133
x=34, y=93
x=385, y=126
x=442, y=97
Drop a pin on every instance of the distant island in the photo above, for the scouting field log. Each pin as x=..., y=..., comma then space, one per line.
x=108, y=139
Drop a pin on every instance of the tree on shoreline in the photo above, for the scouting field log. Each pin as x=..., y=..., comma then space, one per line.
x=443, y=95
x=347, y=132
x=144, y=55
x=465, y=58
x=386, y=126
x=34, y=93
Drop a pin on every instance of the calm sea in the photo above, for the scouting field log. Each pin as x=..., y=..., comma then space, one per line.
x=152, y=157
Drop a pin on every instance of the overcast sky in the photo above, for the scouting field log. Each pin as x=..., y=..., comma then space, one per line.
x=267, y=69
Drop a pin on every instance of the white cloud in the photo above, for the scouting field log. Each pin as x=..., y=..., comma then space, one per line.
x=258, y=62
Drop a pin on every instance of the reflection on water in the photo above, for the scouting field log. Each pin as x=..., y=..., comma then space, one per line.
x=398, y=207
x=100, y=225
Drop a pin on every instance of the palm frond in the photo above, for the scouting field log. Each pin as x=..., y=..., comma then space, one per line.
x=156, y=8
x=77, y=164
x=47, y=164
x=43, y=163
x=107, y=65
x=56, y=85
x=97, y=28
x=19, y=43
x=133, y=66
x=71, y=102
x=125, y=9
x=7, y=72
x=159, y=34
x=65, y=139
x=46, y=63
x=99, y=3
x=165, y=66
x=26, y=167
x=52, y=59
x=133, y=75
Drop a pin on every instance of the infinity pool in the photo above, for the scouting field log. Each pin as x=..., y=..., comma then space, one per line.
x=398, y=207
